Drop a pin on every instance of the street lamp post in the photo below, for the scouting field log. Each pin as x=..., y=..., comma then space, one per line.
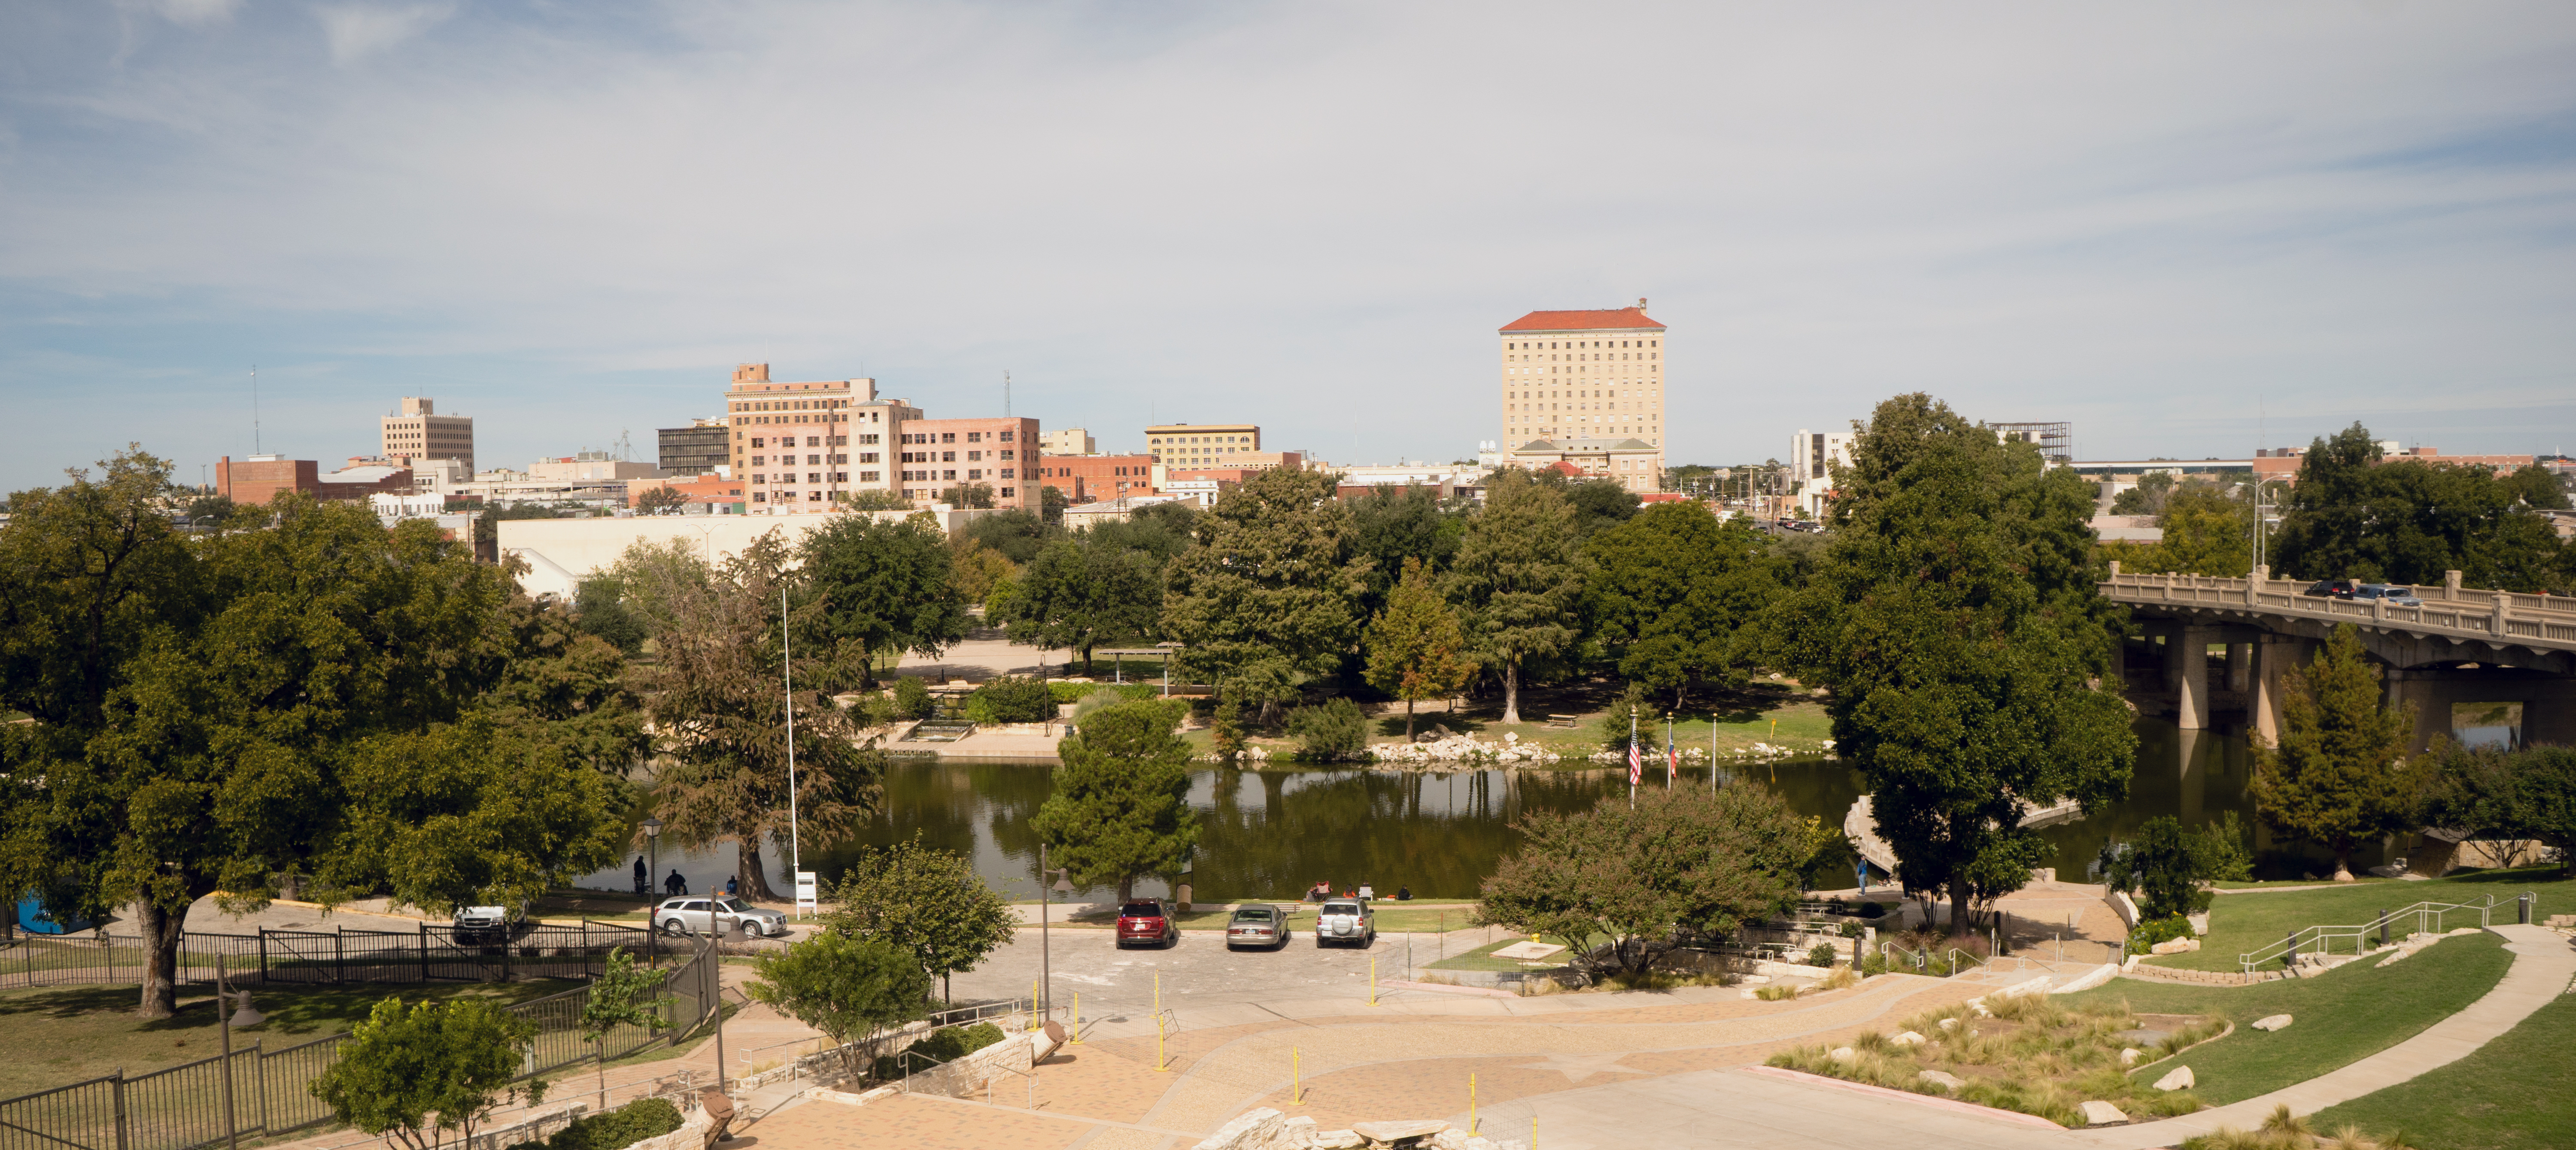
x=245, y=1017
x=1046, y=952
x=653, y=874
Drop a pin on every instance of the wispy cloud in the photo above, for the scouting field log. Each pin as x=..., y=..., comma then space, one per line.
x=573, y=218
x=357, y=31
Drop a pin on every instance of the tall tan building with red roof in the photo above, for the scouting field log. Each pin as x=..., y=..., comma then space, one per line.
x=1588, y=382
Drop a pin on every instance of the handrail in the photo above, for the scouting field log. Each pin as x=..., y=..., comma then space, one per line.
x=2322, y=937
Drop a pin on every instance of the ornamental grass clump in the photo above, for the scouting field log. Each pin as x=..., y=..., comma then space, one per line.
x=2029, y=1054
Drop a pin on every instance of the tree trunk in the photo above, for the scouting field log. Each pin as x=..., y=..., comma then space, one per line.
x=755, y=878
x=1126, y=888
x=2343, y=864
x=1408, y=720
x=1511, y=692
x=1958, y=910
x=161, y=933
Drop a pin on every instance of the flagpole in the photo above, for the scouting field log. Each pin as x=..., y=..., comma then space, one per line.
x=787, y=672
x=1672, y=762
x=1632, y=757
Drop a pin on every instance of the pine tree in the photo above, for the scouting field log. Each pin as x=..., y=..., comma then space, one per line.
x=2339, y=775
x=1415, y=648
x=1519, y=575
x=1120, y=807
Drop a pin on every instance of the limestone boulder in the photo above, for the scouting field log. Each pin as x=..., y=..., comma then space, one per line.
x=2130, y=1056
x=2101, y=1114
x=1841, y=1054
x=1392, y=1132
x=1336, y=1140
x=1949, y=1024
x=1942, y=1080
x=2272, y=1022
x=2179, y=1078
x=1909, y=1038
x=1256, y=1130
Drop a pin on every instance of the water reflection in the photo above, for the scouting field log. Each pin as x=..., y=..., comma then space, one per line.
x=1273, y=832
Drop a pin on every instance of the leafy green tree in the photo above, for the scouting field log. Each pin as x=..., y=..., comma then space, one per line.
x=1077, y=595
x=849, y=988
x=1416, y=649
x=978, y=496
x=621, y=996
x=1951, y=621
x=911, y=697
x=465, y=814
x=2207, y=531
x=2167, y=865
x=1629, y=717
x=1330, y=731
x=564, y=689
x=1120, y=807
x=2339, y=775
x=1671, y=588
x=2147, y=498
x=1016, y=534
x=408, y=1074
x=883, y=586
x=2353, y=515
x=211, y=512
x=2526, y=793
x=1391, y=525
x=978, y=569
x=1682, y=860
x=1160, y=530
x=198, y=708
x=659, y=500
x=874, y=501
x=720, y=712
x=1518, y=579
x=1267, y=597
x=599, y=609
x=927, y=902
x=1051, y=505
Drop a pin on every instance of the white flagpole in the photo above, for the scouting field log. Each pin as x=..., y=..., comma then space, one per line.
x=787, y=672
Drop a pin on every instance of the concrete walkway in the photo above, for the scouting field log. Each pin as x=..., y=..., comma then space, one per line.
x=2544, y=963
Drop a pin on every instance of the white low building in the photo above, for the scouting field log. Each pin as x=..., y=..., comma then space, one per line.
x=560, y=553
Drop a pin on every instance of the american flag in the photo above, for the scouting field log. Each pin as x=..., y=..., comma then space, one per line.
x=1636, y=764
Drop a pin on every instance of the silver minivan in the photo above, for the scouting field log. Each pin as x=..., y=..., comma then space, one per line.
x=716, y=914
x=1343, y=920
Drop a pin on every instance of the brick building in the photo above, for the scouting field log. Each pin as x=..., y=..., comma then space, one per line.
x=932, y=455
x=254, y=481
x=1083, y=478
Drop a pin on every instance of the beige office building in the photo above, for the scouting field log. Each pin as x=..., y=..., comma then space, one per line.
x=418, y=432
x=800, y=447
x=1588, y=376
x=1203, y=444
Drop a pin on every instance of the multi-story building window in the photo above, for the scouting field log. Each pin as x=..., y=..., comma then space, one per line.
x=1591, y=382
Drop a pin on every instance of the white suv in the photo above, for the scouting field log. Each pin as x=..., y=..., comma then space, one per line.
x=1346, y=920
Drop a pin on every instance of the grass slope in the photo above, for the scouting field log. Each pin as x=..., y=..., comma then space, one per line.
x=2244, y=923
x=2341, y=1016
x=60, y=1035
x=2512, y=1094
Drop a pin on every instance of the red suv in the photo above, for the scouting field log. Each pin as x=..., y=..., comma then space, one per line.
x=1145, y=920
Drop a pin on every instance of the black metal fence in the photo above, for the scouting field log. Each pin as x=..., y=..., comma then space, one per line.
x=181, y=1107
x=431, y=953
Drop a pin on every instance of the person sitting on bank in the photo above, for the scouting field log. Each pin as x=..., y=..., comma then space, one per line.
x=1404, y=894
x=1322, y=890
x=675, y=884
x=1367, y=892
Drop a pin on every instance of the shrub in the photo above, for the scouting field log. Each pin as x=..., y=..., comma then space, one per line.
x=911, y=697
x=1872, y=910
x=1127, y=692
x=1013, y=699
x=2159, y=930
x=1853, y=930
x=625, y=1126
x=1334, y=730
x=1227, y=729
x=1615, y=723
x=1821, y=954
x=946, y=1044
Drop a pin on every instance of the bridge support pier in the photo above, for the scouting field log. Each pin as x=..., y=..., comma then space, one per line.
x=2240, y=665
x=2187, y=668
x=2273, y=654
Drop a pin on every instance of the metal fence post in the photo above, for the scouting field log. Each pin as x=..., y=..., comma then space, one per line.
x=259, y=1067
x=119, y=1082
x=424, y=952
x=339, y=957
x=263, y=954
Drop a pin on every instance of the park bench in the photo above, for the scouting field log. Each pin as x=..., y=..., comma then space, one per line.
x=1565, y=720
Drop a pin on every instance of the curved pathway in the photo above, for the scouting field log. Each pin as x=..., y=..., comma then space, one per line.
x=2544, y=964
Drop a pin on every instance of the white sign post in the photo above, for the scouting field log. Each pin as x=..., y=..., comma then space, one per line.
x=805, y=903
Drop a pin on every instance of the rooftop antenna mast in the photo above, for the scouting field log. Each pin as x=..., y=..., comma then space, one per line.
x=254, y=409
x=1006, y=395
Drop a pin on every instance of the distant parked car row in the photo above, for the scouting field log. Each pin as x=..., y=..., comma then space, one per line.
x=1337, y=921
x=2396, y=596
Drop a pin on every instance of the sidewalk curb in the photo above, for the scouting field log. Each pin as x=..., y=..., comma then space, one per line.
x=1952, y=1105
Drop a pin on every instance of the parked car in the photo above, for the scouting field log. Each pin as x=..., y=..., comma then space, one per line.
x=2332, y=589
x=1146, y=920
x=481, y=925
x=717, y=914
x=1257, y=925
x=2396, y=596
x=1346, y=920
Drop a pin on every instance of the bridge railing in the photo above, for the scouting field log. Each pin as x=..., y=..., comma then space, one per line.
x=2492, y=614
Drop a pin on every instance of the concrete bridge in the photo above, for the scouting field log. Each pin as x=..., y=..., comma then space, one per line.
x=2465, y=651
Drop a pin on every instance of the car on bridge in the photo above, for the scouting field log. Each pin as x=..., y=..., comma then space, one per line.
x=2333, y=589
x=2396, y=596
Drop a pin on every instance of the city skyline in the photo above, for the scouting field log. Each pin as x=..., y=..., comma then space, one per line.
x=1304, y=218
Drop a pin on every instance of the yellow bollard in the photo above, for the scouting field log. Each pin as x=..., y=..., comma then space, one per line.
x=1372, y=980
x=1076, y=1040
x=1296, y=1077
x=1471, y=1106
x=1034, y=1020
x=1534, y=1129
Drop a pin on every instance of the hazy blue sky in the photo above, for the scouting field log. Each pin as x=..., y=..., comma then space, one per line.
x=570, y=220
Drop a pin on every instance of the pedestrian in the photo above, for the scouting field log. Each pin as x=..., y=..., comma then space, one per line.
x=643, y=879
x=733, y=884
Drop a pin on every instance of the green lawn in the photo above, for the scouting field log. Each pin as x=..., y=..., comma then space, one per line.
x=2511, y=1094
x=2343, y=1015
x=2243, y=923
x=1800, y=724
x=58, y=1035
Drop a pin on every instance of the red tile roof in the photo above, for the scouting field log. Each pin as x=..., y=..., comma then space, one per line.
x=1602, y=319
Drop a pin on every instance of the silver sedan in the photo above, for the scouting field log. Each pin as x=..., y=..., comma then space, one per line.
x=717, y=914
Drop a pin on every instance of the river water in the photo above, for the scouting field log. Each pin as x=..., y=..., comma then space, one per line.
x=1273, y=832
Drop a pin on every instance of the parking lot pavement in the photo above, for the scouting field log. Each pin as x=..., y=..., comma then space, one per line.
x=1198, y=971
